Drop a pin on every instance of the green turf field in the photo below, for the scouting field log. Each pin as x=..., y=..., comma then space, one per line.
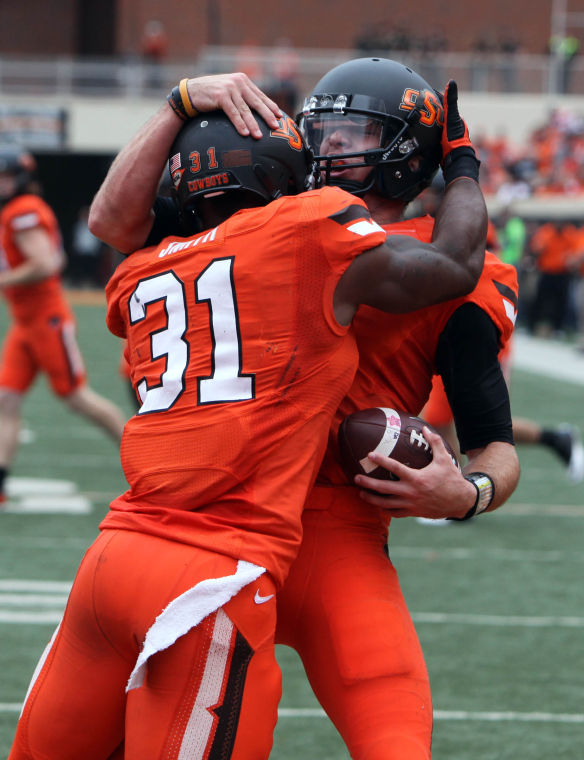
x=498, y=602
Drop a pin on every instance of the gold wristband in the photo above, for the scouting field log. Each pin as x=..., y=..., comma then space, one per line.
x=186, y=101
x=179, y=101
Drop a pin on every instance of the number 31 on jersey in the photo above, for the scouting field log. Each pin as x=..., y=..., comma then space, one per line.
x=226, y=383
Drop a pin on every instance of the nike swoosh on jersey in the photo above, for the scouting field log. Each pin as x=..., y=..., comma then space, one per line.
x=259, y=599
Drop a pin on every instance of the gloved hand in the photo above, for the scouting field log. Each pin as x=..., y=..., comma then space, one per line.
x=458, y=154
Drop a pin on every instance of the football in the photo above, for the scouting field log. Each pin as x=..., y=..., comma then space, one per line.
x=390, y=432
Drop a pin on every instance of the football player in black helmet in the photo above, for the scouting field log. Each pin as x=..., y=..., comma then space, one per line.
x=146, y=214
x=381, y=132
x=209, y=160
x=378, y=116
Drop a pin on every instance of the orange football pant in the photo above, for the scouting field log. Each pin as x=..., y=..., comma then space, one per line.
x=46, y=345
x=343, y=611
x=212, y=694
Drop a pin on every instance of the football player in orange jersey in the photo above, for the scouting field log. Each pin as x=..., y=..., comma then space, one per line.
x=348, y=619
x=240, y=349
x=42, y=336
x=359, y=647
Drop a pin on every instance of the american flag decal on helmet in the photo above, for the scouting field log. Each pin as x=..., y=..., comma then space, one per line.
x=174, y=163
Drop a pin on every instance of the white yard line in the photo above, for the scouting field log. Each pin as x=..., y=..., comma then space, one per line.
x=33, y=600
x=549, y=358
x=535, y=717
x=81, y=504
x=33, y=597
x=91, y=461
x=493, y=717
x=57, y=544
x=48, y=587
x=519, y=621
x=51, y=617
x=477, y=553
x=433, y=553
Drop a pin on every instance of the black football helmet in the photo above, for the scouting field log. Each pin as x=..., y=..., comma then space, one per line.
x=18, y=163
x=386, y=107
x=209, y=157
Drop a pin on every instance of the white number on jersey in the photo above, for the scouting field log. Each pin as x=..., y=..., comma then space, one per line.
x=226, y=383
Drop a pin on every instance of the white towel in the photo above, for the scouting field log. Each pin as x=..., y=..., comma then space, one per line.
x=187, y=611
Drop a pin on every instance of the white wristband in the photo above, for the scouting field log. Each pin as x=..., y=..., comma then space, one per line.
x=485, y=494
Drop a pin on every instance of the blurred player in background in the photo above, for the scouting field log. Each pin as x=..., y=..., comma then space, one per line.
x=240, y=349
x=563, y=440
x=347, y=617
x=42, y=335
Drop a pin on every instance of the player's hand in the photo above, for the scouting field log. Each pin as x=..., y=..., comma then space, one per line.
x=238, y=96
x=436, y=491
x=459, y=158
x=455, y=131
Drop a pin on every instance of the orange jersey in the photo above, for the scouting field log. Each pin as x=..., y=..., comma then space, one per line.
x=32, y=300
x=240, y=365
x=124, y=365
x=437, y=411
x=556, y=248
x=397, y=351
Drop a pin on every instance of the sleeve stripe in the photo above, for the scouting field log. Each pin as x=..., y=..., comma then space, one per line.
x=507, y=292
x=350, y=214
x=510, y=310
x=365, y=228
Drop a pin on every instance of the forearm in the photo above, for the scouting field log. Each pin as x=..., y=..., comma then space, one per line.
x=499, y=461
x=41, y=258
x=411, y=274
x=60, y=261
x=460, y=231
x=121, y=212
x=417, y=274
x=24, y=274
x=461, y=224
